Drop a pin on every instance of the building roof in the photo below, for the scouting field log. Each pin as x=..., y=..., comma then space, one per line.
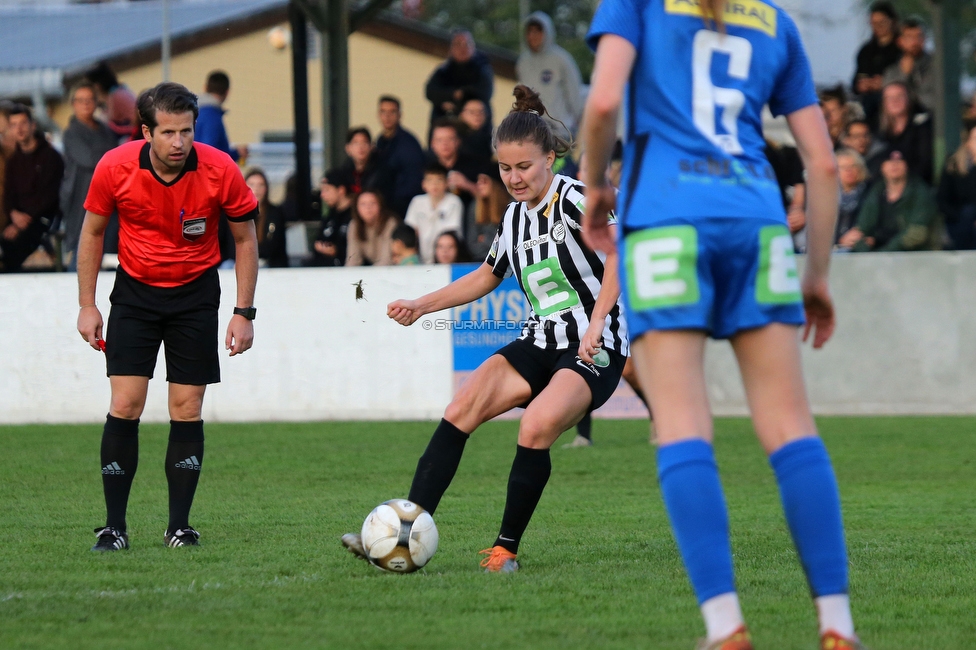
x=126, y=34
x=41, y=45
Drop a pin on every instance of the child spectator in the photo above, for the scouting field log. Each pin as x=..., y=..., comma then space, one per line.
x=403, y=248
x=432, y=213
x=330, y=245
x=370, y=236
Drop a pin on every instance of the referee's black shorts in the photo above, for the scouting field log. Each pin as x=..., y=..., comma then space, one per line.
x=537, y=366
x=184, y=318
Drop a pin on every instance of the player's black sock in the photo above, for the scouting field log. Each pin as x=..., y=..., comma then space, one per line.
x=530, y=473
x=584, y=427
x=120, y=457
x=436, y=468
x=184, y=457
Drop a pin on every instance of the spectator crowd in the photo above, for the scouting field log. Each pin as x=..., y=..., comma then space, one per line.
x=393, y=201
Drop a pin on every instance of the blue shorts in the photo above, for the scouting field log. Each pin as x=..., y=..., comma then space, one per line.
x=717, y=274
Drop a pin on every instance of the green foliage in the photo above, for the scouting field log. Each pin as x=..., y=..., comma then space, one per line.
x=599, y=566
x=497, y=22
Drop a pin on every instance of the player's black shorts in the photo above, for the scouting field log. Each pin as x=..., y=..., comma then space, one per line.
x=537, y=366
x=184, y=318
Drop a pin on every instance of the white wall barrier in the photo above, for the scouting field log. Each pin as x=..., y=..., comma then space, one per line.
x=905, y=343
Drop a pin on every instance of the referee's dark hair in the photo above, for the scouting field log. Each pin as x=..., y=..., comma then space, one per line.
x=526, y=124
x=167, y=97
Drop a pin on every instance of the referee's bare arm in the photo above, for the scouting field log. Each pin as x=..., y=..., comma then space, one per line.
x=240, y=331
x=89, y=261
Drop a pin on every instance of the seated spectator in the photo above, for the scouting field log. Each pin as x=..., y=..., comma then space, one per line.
x=475, y=131
x=432, y=213
x=399, y=156
x=853, y=175
x=403, y=249
x=788, y=169
x=898, y=214
x=270, y=225
x=370, y=236
x=462, y=170
x=466, y=73
x=32, y=183
x=8, y=145
x=833, y=103
x=906, y=130
x=915, y=68
x=361, y=166
x=485, y=213
x=874, y=57
x=330, y=244
x=858, y=137
x=449, y=249
x=957, y=194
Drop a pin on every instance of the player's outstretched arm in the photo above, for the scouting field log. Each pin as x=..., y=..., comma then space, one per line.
x=472, y=286
x=90, y=247
x=240, y=331
x=813, y=143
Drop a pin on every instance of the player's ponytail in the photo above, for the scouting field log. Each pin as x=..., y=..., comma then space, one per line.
x=525, y=123
x=714, y=10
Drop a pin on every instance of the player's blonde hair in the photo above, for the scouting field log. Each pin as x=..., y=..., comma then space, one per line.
x=714, y=10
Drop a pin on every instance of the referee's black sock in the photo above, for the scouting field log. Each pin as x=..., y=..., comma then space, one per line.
x=184, y=457
x=436, y=468
x=120, y=458
x=530, y=473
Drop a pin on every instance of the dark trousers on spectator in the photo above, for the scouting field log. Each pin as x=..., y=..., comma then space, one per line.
x=16, y=250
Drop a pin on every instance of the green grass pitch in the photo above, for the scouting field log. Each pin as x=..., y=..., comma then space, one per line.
x=599, y=566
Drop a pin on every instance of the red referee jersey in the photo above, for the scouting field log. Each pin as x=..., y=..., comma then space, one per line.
x=168, y=231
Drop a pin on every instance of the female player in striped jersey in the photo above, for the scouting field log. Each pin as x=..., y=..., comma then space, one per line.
x=706, y=252
x=571, y=351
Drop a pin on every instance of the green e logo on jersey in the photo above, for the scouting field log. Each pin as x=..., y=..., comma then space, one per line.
x=548, y=288
x=662, y=267
x=777, y=281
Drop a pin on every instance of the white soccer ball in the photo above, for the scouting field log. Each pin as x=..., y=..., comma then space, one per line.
x=399, y=536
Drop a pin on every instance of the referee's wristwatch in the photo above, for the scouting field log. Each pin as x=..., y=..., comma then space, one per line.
x=247, y=312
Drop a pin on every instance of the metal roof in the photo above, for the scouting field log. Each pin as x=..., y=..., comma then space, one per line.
x=40, y=44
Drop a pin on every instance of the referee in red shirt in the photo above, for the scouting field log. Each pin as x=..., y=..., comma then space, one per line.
x=169, y=193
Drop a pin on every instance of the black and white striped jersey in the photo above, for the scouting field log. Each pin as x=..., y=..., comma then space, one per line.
x=559, y=275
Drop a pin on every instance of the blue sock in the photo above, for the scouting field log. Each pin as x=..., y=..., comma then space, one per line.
x=811, y=502
x=696, y=507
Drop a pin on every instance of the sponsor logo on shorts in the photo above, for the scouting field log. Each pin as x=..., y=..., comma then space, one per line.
x=588, y=366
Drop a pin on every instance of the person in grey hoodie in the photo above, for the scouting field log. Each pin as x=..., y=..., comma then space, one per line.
x=86, y=140
x=550, y=71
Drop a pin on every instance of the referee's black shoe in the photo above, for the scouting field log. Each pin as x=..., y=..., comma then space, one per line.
x=110, y=539
x=181, y=537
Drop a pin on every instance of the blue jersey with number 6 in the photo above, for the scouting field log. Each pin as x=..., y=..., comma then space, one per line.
x=694, y=106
